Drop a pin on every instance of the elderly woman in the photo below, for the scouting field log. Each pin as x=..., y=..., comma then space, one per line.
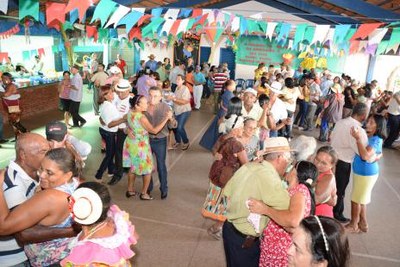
x=230, y=154
x=57, y=179
x=304, y=147
x=11, y=103
x=319, y=241
x=249, y=139
x=276, y=238
x=63, y=94
x=107, y=233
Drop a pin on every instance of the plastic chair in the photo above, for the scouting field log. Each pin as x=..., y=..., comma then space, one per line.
x=249, y=83
x=240, y=85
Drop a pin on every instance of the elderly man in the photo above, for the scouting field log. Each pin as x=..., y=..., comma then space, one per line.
x=346, y=147
x=156, y=112
x=260, y=181
x=278, y=109
x=75, y=95
x=20, y=183
x=151, y=63
x=199, y=81
x=121, y=101
x=98, y=79
x=250, y=107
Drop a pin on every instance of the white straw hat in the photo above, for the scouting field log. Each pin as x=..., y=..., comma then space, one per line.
x=87, y=206
x=123, y=85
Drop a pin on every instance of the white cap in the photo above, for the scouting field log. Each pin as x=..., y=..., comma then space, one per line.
x=251, y=91
x=123, y=85
x=115, y=70
x=275, y=87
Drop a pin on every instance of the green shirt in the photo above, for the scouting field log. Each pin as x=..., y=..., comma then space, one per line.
x=259, y=181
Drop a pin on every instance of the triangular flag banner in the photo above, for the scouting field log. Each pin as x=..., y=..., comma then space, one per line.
x=377, y=36
x=394, y=38
x=152, y=27
x=54, y=49
x=309, y=34
x=143, y=19
x=211, y=31
x=243, y=24
x=29, y=8
x=235, y=24
x=218, y=34
x=298, y=36
x=262, y=25
x=113, y=33
x=139, y=9
x=26, y=55
x=183, y=26
x=270, y=29
x=103, y=10
x=362, y=45
x=156, y=12
x=171, y=13
x=371, y=49
x=73, y=15
x=33, y=53
x=321, y=31
x=81, y=5
x=103, y=35
x=196, y=12
x=175, y=26
x=340, y=33
x=67, y=26
x=382, y=47
x=135, y=33
x=55, y=12
x=394, y=48
x=4, y=8
x=167, y=26
x=130, y=20
x=364, y=30
x=354, y=46
x=283, y=33
x=117, y=15
x=91, y=31
x=252, y=26
x=41, y=52
x=185, y=12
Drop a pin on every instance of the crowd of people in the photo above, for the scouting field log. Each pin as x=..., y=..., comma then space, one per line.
x=274, y=198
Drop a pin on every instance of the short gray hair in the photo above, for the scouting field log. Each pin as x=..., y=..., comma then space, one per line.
x=304, y=147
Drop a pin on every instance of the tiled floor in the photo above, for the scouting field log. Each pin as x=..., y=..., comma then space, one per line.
x=173, y=232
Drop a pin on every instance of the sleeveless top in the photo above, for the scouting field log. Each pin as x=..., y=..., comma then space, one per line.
x=323, y=208
x=53, y=251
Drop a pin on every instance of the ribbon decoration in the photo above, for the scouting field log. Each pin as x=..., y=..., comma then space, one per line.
x=29, y=8
x=10, y=32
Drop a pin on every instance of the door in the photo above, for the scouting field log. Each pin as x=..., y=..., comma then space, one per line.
x=204, y=54
x=227, y=55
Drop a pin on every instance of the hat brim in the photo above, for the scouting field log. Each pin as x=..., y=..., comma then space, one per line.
x=123, y=89
x=86, y=198
x=276, y=150
x=55, y=137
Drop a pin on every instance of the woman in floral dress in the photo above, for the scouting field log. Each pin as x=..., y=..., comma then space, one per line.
x=137, y=152
x=276, y=238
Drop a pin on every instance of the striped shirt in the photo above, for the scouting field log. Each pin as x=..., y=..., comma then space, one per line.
x=219, y=80
x=18, y=187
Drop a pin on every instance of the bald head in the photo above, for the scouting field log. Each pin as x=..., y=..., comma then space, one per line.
x=30, y=149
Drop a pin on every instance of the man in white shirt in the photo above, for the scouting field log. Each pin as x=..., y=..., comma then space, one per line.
x=178, y=69
x=393, y=120
x=278, y=108
x=315, y=93
x=99, y=79
x=346, y=147
x=75, y=95
x=121, y=101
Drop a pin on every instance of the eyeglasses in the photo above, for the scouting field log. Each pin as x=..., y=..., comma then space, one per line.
x=323, y=233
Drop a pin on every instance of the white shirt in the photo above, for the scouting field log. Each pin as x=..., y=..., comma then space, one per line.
x=278, y=110
x=394, y=107
x=76, y=95
x=109, y=113
x=290, y=94
x=255, y=112
x=100, y=76
x=123, y=108
x=342, y=141
x=18, y=187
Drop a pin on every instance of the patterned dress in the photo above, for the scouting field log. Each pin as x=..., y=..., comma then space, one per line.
x=276, y=241
x=137, y=152
x=52, y=252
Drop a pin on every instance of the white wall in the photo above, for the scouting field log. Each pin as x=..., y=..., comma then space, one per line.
x=17, y=43
x=357, y=66
x=383, y=68
x=205, y=42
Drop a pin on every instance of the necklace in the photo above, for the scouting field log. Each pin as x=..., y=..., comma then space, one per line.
x=95, y=229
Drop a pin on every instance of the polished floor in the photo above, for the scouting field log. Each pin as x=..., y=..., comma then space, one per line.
x=173, y=232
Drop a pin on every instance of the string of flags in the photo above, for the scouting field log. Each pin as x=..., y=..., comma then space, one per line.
x=162, y=23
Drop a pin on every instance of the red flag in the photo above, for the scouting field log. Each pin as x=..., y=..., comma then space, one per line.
x=364, y=30
x=91, y=31
x=196, y=13
x=81, y=5
x=135, y=32
x=55, y=11
x=41, y=52
x=175, y=26
x=143, y=19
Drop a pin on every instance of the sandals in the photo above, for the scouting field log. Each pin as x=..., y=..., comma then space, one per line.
x=185, y=146
x=352, y=229
x=146, y=197
x=363, y=227
x=129, y=194
x=215, y=232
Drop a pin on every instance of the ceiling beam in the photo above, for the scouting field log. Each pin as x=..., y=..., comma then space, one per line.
x=188, y=3
x=384, y=2
x=309, y=12
x=366, y=9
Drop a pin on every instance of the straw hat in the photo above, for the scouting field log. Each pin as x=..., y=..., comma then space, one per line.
x=275, y=87
x=152, y=56
x=276, y=145
x=115, y=70
x=251, y=91
x=123, y=85
x=87, y=206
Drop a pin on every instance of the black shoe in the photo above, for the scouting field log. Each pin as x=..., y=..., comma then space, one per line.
x=74, y=126
x=114, y=180
x=2, y=141
x=342, y=219
x=129, y=194
x=164, y=195
x=83, y=123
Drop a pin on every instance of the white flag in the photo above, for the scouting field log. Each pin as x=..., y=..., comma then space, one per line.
x=117, y=15
x=270, y=29
x=171, y=13
x=320, y=33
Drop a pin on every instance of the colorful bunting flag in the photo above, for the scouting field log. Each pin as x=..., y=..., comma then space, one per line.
x=143, y=19
x=41, y=52
x=130, y=20
x=73, y=15
x=270, y=30
x=55, y=14
x=103, y=11
x=156, y=12
x=183, y=26
x=152, y=27
x=364, y=30
x=298, y=36
x=382, y=47
x=309, y=34
x=81, y=5
x=135, y=33
x=175, y=26
x=376, y=36
x=10, y=32
x=171, y=13
x=117, y=16
x=29, y=8
x=394, y=39
x=4, y=7
x=167, y=26
x=283, y=33
x=321, y=31
x=91, y=31
x=3, y=56
x=340, y=33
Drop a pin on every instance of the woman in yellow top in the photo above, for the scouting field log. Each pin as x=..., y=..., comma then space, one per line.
x=262, y=87
x=259, y=71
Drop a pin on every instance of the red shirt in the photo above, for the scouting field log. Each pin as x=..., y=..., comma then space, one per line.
x=121, y=65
